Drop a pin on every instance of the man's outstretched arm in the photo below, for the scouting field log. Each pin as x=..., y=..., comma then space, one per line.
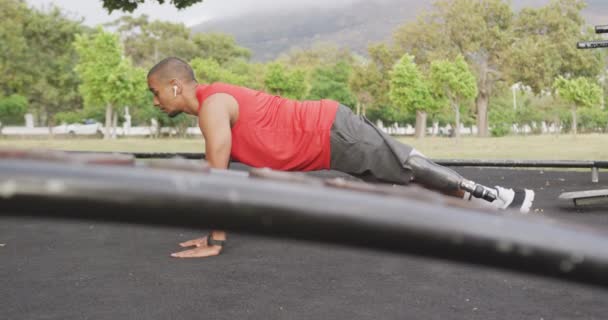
x=214, y=121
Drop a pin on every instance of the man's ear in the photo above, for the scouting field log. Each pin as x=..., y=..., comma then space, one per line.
x=176, y=86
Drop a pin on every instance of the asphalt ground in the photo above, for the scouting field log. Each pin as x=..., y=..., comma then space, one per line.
x=54, y=269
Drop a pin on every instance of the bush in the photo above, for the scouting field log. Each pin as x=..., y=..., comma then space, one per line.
x=501, y=121
x=13, y=109
x=592, y=119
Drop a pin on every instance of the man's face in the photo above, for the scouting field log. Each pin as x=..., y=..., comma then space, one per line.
x=165, y=97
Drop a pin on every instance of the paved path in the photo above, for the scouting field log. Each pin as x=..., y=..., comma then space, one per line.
x=80, y=270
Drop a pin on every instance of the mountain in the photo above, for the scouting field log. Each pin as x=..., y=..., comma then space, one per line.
x=353, y=26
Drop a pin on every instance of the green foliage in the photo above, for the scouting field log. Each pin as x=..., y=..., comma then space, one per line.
x=69, y=117
x=422, y=38
x=332, y=83
x=453, y=82
x=37, y=57
x=320, y=55
x=130, y=5
x=144, y=112
x=409, y=91
x=364, y=83
x=147, y=42
x=289, y=83
x=221, y=47
x=382, y=60
x=480, y=31
x=581, y=92
x=544, y=45
x=502, y=120
x=107, y=78
x=528, y=115
x=594, y=119
x=501, y=114
x=209, y=70
x=250, y=75
x=453, y=79
x=12, y=109
x=14, y=71
x=389, y=115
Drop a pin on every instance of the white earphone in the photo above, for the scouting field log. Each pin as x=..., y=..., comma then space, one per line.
x=175, y=91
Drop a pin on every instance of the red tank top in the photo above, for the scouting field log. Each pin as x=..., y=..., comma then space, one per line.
x=275, y=132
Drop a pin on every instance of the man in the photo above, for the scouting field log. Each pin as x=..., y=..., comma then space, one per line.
x=263, y=130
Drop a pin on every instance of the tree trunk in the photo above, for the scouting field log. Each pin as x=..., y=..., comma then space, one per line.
x=457, y=120
x=50, y=123
x=483, y=98
x=114, y=124
x=574, y=121
x=481, y=103
x=420, y=124
x=106, y=133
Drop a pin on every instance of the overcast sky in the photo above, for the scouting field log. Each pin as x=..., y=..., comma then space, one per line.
x=93, y=12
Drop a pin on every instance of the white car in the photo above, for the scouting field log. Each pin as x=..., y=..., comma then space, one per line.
x=78, y=129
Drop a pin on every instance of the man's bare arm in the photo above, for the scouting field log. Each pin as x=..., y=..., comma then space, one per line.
x=214, y=121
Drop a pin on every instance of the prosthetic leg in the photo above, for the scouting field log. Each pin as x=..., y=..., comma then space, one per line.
x=436, y=177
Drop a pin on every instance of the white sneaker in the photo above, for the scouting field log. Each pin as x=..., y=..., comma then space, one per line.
x=520, y=199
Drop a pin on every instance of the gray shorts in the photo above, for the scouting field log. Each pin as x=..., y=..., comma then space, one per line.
x=359, y=148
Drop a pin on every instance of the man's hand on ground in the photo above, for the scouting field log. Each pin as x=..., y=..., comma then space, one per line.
x=199, y=242
x=202, y=250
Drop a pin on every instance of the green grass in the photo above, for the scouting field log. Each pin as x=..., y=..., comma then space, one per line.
x=119, y=145
x=548, y=147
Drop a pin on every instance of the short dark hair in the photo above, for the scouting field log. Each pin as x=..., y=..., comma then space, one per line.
x=173, y=67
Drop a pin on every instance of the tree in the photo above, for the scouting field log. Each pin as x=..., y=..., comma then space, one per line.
x=481, y=31
x=130, y=5
x=209, y=70
x=147, y=42
x=543, y=46
x=332, y=83
x=364, y=84
x=379, y=71
x=50, y=37
x=321, y=54
x=580, y=92
x=220, y=47
x=108, y=79
x=409, y=92
x=424, y=38
x=455, y=83
x=594, y=119
x=289, y=83
x=36, y=57
x=14, y=74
